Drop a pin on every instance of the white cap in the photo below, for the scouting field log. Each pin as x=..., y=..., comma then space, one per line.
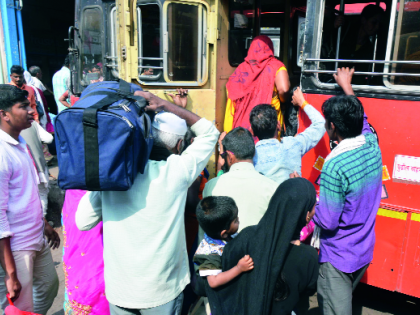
x=170, y=123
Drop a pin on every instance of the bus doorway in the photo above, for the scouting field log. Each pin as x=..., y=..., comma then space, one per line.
x=45, y=27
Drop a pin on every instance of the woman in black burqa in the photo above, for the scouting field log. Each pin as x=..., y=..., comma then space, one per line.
x=283, y=272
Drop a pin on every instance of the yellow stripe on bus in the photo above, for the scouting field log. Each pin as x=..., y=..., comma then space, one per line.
x=415, y=217
x=394, y=214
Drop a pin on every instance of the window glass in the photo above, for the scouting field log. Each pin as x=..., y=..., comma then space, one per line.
x=91, y=50
x=358, y=34
x=150, y=57
x=406, y=43
x=241, y=19
x=184, y=42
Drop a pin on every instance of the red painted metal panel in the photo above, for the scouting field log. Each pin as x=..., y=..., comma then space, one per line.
x=387, y=257
x=410, y=277
x=398, y=128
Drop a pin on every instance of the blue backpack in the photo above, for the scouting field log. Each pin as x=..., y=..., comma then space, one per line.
x=105, y=139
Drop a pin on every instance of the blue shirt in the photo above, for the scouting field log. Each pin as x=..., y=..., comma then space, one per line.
x=277, y=159
x=60, y=86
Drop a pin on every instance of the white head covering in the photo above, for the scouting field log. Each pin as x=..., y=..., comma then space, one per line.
x=170, y=123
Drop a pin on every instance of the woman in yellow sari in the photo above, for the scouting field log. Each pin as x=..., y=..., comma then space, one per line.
x=260, y=79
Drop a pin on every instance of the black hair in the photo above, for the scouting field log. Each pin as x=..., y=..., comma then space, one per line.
x=67, y=61
x=16, y=69
x=240, y=142
x=263, y=120
x=371, y=10
x=346, y=113
x=10, y=95
x=189, y=135
x=215, y=214
x=34, y=70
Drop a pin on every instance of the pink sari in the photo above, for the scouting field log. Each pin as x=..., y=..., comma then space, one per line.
x=83, y=263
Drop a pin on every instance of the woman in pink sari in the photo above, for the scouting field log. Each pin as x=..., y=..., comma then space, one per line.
x=83, y=263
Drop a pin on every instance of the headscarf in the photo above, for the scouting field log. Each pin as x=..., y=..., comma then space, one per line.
x=267, y=243
x=252, y=82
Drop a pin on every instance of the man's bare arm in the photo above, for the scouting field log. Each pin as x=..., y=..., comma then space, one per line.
x=158, y=104
x=8, y=264
x=343, y=79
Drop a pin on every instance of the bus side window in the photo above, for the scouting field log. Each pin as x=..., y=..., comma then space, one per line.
x=91, y=50
x=150, y=52
x=360, y=38
x=406, y=45
x=241, y=21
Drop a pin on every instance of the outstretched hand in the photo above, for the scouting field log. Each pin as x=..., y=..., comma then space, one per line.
x=155, y=102
x=245, y=264
x=297, y=98
x=180, y=98
x=343, y=78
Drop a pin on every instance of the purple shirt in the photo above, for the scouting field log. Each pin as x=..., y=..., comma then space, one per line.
x=350, y=194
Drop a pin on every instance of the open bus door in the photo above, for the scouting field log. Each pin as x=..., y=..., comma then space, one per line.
x=390, y=93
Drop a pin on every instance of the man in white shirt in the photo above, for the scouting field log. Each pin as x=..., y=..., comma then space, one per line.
x=145, y=255
x=36, y=74
x=27, y=266
x=251, y=191
x=60, y=79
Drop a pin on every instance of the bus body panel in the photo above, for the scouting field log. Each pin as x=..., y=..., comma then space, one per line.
x=396, y=258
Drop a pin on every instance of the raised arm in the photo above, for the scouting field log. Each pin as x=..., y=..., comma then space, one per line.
x=343, y=79
x=311, y=136
x=89, y=211
x=282, y=83
x=245, y=264
x=196, y=156
x=158, y=104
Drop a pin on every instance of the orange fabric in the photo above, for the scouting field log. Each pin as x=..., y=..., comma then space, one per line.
x=31, y=98
x=251, y=83
x=230, y=107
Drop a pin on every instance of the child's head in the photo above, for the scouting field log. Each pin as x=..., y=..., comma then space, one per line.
x=218, y=217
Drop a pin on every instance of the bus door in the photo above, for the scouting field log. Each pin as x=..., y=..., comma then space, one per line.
x=387, y=81
x=88, y=44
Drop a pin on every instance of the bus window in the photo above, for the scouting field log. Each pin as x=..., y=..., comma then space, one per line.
x=91, y=50
x=185, y=46
x=241, y=19
x=405, y=45
x=150, y=56
x=358, y=28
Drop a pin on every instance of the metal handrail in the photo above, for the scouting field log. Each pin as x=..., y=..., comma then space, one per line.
x=150, y=67
x=366, y=73
x=363, y=61
x=150, y=58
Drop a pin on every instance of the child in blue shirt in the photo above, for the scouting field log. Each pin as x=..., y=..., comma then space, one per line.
x=218, y=217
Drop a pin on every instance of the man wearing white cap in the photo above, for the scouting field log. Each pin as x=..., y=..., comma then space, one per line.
x=145, y=256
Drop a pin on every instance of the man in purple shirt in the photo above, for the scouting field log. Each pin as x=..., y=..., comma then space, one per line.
x=350, y=194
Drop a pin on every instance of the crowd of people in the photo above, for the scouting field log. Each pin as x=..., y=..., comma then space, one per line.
x=266, y=240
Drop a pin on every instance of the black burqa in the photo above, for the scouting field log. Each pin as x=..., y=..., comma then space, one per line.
x=268, y=244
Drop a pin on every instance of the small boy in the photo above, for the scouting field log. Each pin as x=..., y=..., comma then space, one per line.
x=218, y=217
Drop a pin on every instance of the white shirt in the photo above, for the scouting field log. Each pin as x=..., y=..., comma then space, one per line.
x=38, y=84
x=251, y=191
x=20, y=206
x=145, y=255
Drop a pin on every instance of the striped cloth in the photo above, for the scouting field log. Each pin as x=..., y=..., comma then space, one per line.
x=350, y=194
